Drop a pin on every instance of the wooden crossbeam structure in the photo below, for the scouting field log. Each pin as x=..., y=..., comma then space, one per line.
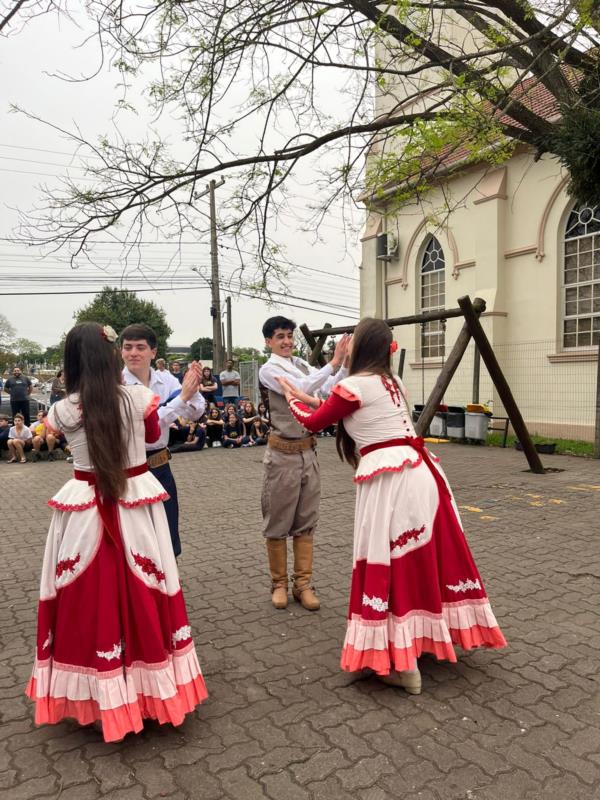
x=471, y=329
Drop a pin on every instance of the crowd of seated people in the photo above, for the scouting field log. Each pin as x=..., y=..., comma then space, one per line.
x=19, y=439
x=236, y=425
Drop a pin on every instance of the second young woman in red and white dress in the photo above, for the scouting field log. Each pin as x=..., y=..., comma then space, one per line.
x=415, y=586
x=114, y=644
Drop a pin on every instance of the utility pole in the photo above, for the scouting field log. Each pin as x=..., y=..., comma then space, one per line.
x=215, y=288
x=229, y=330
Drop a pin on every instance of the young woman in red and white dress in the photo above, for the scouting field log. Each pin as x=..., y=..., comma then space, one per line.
x=114, y=643
x=415, y=586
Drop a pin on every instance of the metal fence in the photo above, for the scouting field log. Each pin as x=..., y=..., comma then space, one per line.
x=556, y=395
x=249, y=374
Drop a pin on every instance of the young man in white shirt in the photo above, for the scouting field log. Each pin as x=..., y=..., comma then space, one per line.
x=138, y=349
x=292, y=482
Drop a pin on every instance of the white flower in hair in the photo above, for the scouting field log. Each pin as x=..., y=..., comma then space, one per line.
x=109, y=334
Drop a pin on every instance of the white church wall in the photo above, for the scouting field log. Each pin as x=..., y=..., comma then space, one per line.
x=502, y=235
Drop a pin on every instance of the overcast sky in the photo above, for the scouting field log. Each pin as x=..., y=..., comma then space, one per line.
x=32, y=154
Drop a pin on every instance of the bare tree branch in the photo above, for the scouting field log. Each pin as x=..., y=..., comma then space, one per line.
x=261, y=87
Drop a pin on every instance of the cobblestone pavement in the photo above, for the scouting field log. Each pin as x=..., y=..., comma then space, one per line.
x=282, y=721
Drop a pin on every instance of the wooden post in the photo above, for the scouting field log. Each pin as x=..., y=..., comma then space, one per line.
x=316, y=345
x=415, y=319
x=497, y=376
x=597, y=436
x=401, y=362
x=448, y=370
x=476, y=371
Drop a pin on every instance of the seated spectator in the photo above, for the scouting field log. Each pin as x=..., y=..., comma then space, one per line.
x=55, y=441
x=249, y=416
x=196, y=438
x=233, y=433
x=4, y=431
x=214, y=428
x=208, y=385
x=38, y=432
x=57, y=388
x=43, y=439
x=263, y=413
x=19, y=440
x=179, y=431
x=228, y=410
x=259, y=432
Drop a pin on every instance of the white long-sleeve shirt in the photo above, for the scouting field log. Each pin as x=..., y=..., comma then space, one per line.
x=317, y=381
x=163, y=384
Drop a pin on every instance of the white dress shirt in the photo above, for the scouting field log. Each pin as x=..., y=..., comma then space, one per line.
x=163, y=384
x=316, y=382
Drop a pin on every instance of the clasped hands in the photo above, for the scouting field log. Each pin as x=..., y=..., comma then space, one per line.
x=341, y=357
x=292, y=392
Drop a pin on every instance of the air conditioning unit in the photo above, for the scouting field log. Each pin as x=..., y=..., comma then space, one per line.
x=387, y=247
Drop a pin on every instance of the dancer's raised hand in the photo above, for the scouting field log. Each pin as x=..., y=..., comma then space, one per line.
x=191, y=381
x=341, y=350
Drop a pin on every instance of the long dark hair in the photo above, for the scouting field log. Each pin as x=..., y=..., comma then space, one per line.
x=371, y=354
x=92, y=369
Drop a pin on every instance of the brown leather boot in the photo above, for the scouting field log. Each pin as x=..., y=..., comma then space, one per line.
x=302, y=590
x=277, y=552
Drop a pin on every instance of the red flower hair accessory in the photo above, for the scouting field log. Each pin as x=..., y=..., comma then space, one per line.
x=393, y=347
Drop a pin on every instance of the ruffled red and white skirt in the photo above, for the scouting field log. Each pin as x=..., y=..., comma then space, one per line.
x=415, y=587
x=114, y=643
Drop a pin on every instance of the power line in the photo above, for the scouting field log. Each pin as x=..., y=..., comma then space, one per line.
x=42, y=150
x=43, y=174
x=179, y=288
x=186, y=260
x=170, y=285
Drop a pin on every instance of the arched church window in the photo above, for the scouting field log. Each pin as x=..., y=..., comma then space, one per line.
x=433, y=296
x=581, y=279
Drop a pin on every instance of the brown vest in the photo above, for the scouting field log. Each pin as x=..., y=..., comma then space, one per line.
x=282, y=421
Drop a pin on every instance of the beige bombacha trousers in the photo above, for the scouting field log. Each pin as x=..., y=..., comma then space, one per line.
x=291, y=493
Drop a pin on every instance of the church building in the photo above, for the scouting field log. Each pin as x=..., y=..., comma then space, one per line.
x=511, y=235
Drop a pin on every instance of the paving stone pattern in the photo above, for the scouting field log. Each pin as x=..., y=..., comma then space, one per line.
x=282, y=721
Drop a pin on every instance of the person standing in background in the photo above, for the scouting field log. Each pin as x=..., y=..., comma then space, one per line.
x=176, y=371
x=230, y=381
x=208, y=385
x=57, y=389
x=19, y=387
